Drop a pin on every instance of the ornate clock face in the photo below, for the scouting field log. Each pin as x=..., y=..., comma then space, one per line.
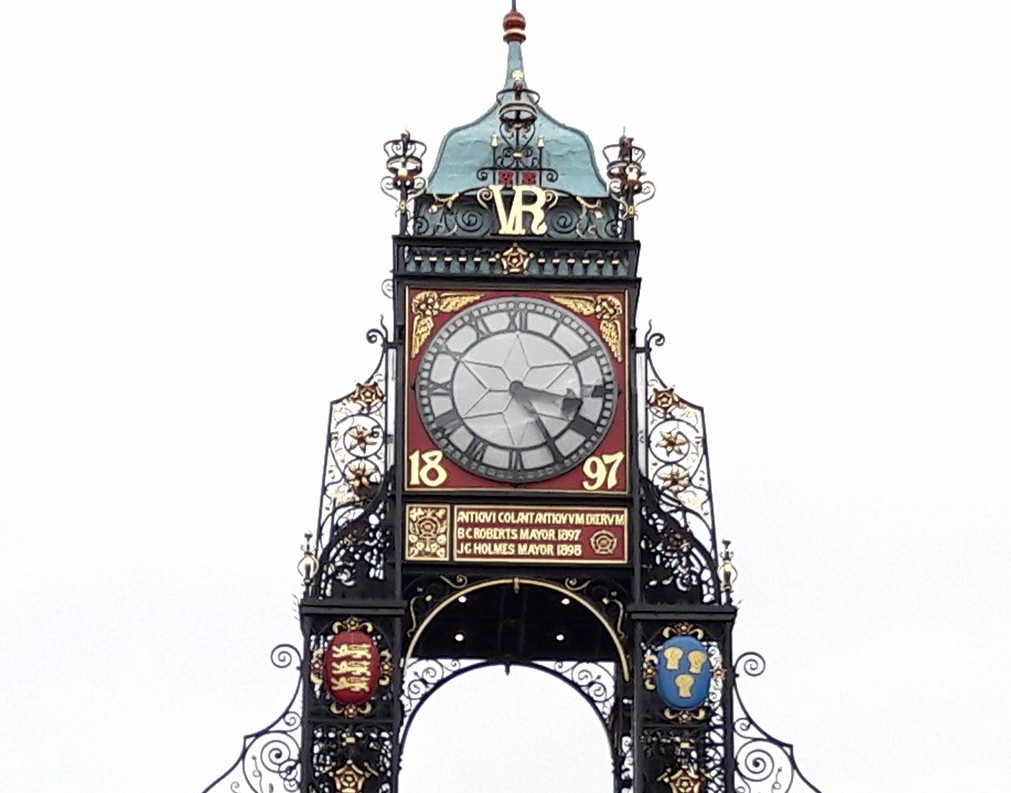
x=516, y=389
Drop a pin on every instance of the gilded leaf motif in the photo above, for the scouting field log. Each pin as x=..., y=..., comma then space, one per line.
x=451, y=301
x=579, y=304
x=610, y=329
x=420, y=332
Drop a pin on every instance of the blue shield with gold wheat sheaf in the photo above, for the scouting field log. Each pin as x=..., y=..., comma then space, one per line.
x=683, y=673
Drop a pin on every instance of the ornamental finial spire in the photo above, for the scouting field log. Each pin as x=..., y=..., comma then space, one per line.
x=514, y=24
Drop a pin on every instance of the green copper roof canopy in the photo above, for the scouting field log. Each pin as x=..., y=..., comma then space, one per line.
x=516, y=142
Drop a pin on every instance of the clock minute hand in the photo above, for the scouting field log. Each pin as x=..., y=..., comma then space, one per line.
x=569, y=402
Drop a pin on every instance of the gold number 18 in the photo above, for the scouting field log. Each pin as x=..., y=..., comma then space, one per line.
x=425, y=468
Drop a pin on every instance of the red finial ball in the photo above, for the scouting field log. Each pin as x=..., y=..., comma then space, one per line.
x=514, y=26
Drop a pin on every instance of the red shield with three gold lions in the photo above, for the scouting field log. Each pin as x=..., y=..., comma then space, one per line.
x=351, y=667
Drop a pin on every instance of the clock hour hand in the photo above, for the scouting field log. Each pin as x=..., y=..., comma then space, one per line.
x=549, y=440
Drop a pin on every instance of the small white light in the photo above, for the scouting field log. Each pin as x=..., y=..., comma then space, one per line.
x=566, y=601
x=459, y=637
x=461, y=599
x=560, y=637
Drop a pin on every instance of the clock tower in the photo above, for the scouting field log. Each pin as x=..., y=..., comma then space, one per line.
x=515, y=484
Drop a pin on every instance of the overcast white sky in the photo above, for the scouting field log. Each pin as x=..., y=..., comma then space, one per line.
x=192, y=241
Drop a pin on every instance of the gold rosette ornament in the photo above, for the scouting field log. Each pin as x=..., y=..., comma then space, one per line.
x=684, y=780
x=368, y=395
x=603, y=542
x=663, y=401
x=426, y=306
x=515, y=260
x=351, y=778
x=606, y=308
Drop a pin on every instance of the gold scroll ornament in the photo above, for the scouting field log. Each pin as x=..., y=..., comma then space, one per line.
x=427, y=305
x=606, y=308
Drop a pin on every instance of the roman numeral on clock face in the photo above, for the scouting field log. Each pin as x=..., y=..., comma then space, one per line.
x=583, y=426
x=449, y=422
x=438, y=389
x=480, y=326
x=519, y=319
x=476, y=449
x=556, y=455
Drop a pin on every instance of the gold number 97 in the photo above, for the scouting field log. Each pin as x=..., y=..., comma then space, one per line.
x=601, y=470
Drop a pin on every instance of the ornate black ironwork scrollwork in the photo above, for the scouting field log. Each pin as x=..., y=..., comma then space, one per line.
x=426, y=594
x=347, y=756
x=422, y=677
x=686, y=751
x=381, y=335
x=762, y=763
x=404, y=181
x=680, y=555
x=517, y=152
x=677, y=567
x=358, y=548
x=625, y=182
x=353, y=538
x=686, y=746
x=594, y=680
x=463, y=215
x=624, y=767
x=269, y=760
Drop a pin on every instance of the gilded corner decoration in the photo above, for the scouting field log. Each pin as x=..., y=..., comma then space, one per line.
x=606, y=308
x=427, y=305
x=404, y=182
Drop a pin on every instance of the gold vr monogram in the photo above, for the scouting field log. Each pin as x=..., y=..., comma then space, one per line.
x=525, y=200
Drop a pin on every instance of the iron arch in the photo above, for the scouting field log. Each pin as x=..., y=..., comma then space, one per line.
x=620, y=656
